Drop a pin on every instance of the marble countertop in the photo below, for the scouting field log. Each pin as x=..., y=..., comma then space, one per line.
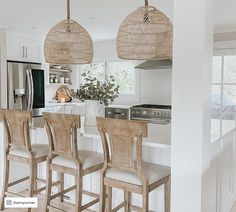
x=159, y=136
x=55, y=103
x=120, y=106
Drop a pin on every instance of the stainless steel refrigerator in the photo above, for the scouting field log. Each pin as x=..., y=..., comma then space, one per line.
x=26, y=87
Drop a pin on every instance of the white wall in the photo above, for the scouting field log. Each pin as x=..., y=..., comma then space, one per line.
x=155, y=86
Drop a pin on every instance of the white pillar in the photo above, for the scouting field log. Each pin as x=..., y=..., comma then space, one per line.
x=191, y=87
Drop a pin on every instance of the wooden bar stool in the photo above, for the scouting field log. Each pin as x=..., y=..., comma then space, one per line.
x=18, y=148
x=123, y=165
x=65, y=158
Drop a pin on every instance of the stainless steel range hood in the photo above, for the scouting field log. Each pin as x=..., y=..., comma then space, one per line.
x=156, y=64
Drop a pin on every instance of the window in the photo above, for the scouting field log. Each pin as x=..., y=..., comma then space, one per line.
x=223, y=94
x=94, y=69
x=123, y=72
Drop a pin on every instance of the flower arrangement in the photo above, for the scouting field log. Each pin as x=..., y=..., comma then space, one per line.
x=93, y=89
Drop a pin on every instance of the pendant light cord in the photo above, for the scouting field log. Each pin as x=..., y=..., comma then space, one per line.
x=68, y=10
x=146, y=3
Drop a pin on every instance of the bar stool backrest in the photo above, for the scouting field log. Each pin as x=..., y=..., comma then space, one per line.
x=122, y=142
x=62, y=133
x=16, y=123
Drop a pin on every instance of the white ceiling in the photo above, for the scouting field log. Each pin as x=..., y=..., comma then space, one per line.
x=101, y=18
x=225, y=16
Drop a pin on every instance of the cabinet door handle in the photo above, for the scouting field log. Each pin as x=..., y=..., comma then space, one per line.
x=23, y=51
x=26, y=49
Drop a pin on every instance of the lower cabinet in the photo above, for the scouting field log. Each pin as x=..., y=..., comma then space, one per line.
x=66, y=109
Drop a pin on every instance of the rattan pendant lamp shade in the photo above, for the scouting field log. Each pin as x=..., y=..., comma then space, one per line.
x=145, y=34
x=68, y=43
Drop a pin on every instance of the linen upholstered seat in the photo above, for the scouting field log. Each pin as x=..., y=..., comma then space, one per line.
x=88, y=158
x=152, y=173
x=40, y=150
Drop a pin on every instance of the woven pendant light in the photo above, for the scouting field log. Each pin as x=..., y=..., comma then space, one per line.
x=145, y=34
x=68, y=43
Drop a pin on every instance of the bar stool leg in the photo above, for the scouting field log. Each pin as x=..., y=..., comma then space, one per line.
x=167, y=187
x=5, y=182
x=127, y=198
x=32, y=177
x=102, y=195
x=145, y=199
x=78, y=192
x=61, y=185
x=109, y=199
x=48, y=187
x=35, y=178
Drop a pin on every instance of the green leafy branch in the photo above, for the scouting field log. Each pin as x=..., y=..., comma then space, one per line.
x=93, y=89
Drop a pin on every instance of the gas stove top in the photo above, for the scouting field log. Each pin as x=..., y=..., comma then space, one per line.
x=158, y=114
x=153, y=106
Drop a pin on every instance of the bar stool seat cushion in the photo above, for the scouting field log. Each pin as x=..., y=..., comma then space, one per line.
x=152, y=172
x=40, y=150
x=88, y=159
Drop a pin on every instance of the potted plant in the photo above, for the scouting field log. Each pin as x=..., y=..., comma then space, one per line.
x=95, y=94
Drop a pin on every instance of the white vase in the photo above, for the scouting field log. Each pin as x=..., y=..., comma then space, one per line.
x=93, y=109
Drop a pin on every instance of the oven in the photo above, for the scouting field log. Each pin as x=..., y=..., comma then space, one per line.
x=117, y=112
x=155, y=114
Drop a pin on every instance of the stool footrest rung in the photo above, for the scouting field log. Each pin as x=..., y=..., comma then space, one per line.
x=55, y=208
x=63, y=192
x=44, y=187
x=18, y=181
x=13, y=194
x=136, y=208
x=91, y=194
x=41, y=180
x=118, y=207
x=89, y=204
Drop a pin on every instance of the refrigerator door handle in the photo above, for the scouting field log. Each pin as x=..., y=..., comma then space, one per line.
x=11, y=96
x=32, y=89
x=23, y=51
x=29, y=90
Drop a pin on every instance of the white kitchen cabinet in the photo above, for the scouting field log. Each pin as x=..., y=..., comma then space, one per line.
x=24, y=49
x=68, y=109
x=65, y=109
x=59, y=109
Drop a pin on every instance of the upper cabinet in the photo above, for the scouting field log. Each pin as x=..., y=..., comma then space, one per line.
x=24, y=49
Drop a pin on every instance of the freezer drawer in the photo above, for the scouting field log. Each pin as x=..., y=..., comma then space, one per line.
x=117, y=113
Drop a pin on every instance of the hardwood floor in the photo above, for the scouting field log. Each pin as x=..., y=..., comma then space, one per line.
x=64, y=207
